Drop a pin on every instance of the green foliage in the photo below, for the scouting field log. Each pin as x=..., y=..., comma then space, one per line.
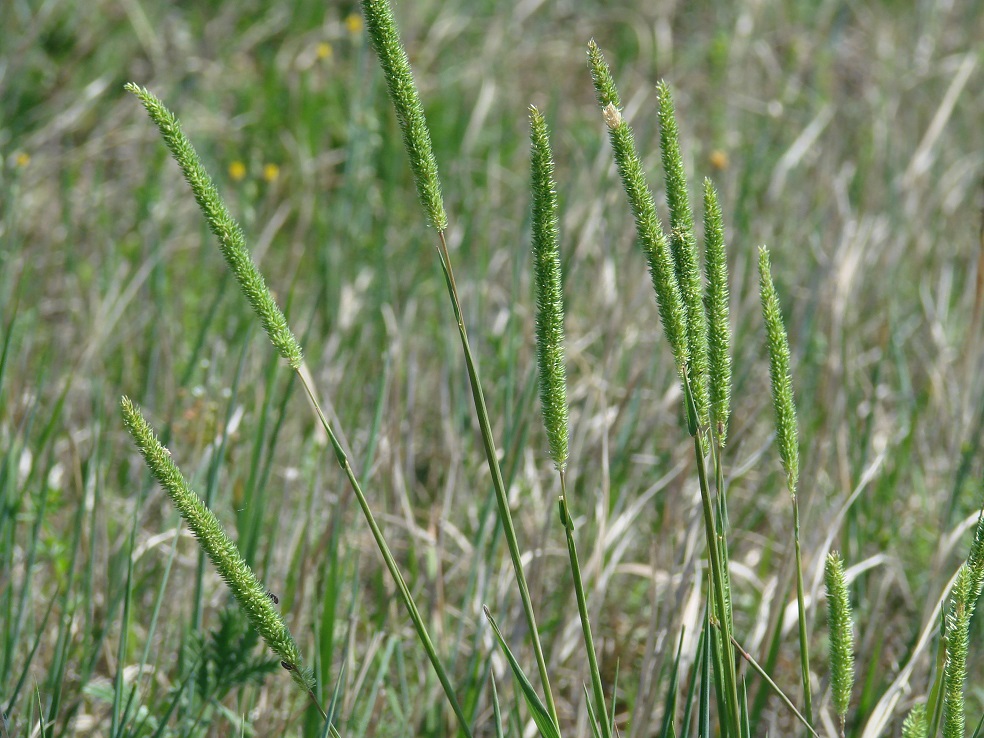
x=103, y=286
x=226, y=657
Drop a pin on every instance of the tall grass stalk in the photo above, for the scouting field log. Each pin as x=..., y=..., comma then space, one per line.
x=233, y=247
x=788, y=440
x=548, y=285
x=383, y=32
x=684, y=342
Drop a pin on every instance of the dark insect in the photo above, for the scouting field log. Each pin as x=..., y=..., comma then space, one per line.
x=272, y=596
x=288, y=667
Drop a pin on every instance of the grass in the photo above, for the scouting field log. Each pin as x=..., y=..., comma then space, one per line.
x=846, y=140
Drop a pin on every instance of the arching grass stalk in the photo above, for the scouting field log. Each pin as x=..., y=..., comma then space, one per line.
x=673, y=311
x=385, y=37
x=233, y=247
x=552, y=369
x=787, y=438
x=841, y=627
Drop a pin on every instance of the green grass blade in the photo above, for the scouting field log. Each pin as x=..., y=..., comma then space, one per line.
x=543, y=719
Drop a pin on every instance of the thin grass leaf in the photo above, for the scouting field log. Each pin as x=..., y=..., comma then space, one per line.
x=980, y=728
x=497, y=713
x=593, y=722
x=774, y=687
x=117, y=713
x=544, y=721
x=689, y=702
x=669, y=710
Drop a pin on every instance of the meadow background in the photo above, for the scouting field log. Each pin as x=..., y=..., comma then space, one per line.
x=846, y=136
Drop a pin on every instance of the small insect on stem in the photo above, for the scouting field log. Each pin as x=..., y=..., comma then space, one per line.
x=288, y=667
x=272, y=596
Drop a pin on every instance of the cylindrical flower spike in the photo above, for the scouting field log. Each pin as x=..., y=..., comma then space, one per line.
x=549, y=292
x=915, y=725
x=683, y=246
x=651, y=237
x=385, y=38
x=718, y=321
x=782, y=383
x=226, y=229
x=223, y=553
x=841, y=626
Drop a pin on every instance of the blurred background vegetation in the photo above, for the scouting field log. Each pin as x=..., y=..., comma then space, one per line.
x=846, y=136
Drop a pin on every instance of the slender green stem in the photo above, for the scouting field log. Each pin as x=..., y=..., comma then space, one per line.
x=775, y=687
x=502, y=498
x=389, y=560
x=582, y=609
x=718, y=586
x=804, y=640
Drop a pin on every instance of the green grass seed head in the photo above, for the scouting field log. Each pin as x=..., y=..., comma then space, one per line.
x=549, y=291
x=222, y=552
x=958, y=620
x=782, y=384
x=683, y=246
x=915, y=725
x=718, y=320
x=841, y=626
x=232, y=243
x=648, y=229
x=385, y=38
